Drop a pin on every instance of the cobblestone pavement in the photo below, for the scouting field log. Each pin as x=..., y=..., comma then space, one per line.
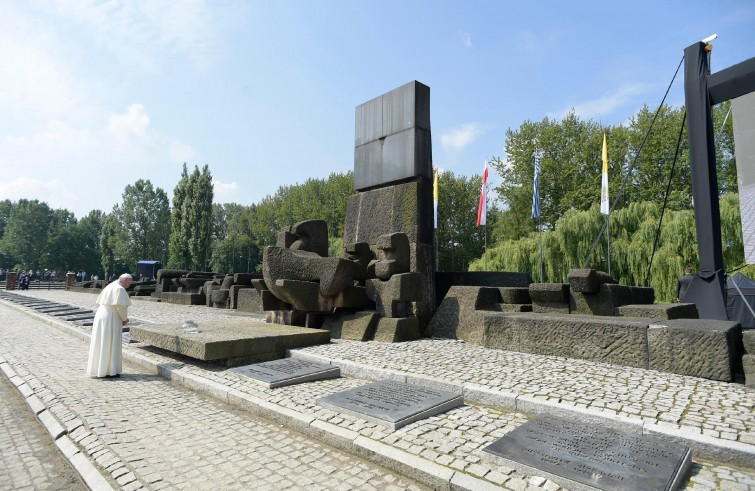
x=148, y=433
x=454, y=440
x=29, y=457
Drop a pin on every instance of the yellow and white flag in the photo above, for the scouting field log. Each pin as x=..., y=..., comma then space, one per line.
x=604, y=181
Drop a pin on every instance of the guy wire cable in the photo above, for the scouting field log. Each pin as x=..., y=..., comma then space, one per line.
x=631, y=167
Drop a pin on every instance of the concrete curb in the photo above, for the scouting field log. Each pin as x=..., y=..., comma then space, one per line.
x=88, y=472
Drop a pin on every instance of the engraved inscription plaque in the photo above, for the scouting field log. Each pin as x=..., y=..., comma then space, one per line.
x=392, y=404
x=288, y=371
x=584, y=456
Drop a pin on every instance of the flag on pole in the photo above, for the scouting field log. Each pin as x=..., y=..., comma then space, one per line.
x=536, y=189
x=435, y=197
x=482, y=207
x=604, y=182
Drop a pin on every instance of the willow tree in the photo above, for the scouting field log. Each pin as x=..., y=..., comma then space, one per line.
x=633, y=231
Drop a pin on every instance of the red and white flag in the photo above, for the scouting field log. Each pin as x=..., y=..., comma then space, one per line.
x=482, y=207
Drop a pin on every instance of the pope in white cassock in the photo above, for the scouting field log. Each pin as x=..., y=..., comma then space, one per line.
x=105, y=358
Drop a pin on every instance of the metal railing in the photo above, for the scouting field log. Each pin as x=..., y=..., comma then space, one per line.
x=39, y=285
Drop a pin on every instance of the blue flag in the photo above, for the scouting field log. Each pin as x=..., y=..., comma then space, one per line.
x=536, y=190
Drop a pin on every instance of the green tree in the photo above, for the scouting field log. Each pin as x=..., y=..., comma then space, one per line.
x=7, y=260
x=458, y=237
x=114, y=244
x=180, y=233
x=633, y=232
x=145, y=218
x=192, y=220
x=200, y=217
x=27, y=231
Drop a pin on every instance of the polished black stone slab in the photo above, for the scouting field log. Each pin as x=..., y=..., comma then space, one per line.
x=288, y=371
x=392, y=404
x=581, y=456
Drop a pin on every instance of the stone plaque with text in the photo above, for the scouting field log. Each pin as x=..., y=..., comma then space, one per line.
x=581, y=456
x=392, y=404
x=288, y=371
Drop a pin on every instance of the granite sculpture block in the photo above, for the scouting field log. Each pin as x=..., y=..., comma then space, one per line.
x=357, y=326
x=460, y=314
x=396, y=329
x=659, y=311
x=515, y=295
x=588, y=280
x=249, y=300
x=620, y=341
x=392, y=297
x=230, y=340
x=695, y=347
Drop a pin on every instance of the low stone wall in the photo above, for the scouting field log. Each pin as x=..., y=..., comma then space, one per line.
x=697, y=347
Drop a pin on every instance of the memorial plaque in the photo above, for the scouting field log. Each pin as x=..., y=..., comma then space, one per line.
x=581, y=456
x=392, y=404
x=288, y=371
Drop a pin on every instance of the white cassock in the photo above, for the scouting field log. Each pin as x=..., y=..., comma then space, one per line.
x=105, y=356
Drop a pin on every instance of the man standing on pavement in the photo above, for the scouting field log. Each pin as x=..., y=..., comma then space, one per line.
x=105, y=356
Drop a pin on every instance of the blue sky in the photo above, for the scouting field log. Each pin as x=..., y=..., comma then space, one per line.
x=95, y=95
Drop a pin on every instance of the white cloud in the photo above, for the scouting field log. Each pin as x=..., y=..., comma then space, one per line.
x=225, y=192
x=140, y=32
x=605, y=104
x=466, y=38
x=461, y=137
x=54, y=192
x=87, y=169
x=131, y=125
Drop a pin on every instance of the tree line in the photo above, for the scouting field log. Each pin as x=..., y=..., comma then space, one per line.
x=191, y=232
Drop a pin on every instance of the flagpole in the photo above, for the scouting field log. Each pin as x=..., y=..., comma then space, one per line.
x=540, y=230
x=486, y=227
x=608, y=237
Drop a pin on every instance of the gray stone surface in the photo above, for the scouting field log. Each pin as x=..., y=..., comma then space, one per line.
x=515, y=295
x=588, y=280
x=460, y=314
x=308, y=235
x=546, y=293
x=183, y=298
x=228, y=339
x=249, y=300
x=288, y=371
x=333, y=274
x=512, y=307
x=748, y=367
x=357, y=326
x=393, y=255
x=398, y=208
x=609, y=298
x=583, y=456
x=659, y=311
x=392, y=297
x=620, y=341
x=696, y=347
x=392, y=404
x=396, y=330
x=748, y=340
